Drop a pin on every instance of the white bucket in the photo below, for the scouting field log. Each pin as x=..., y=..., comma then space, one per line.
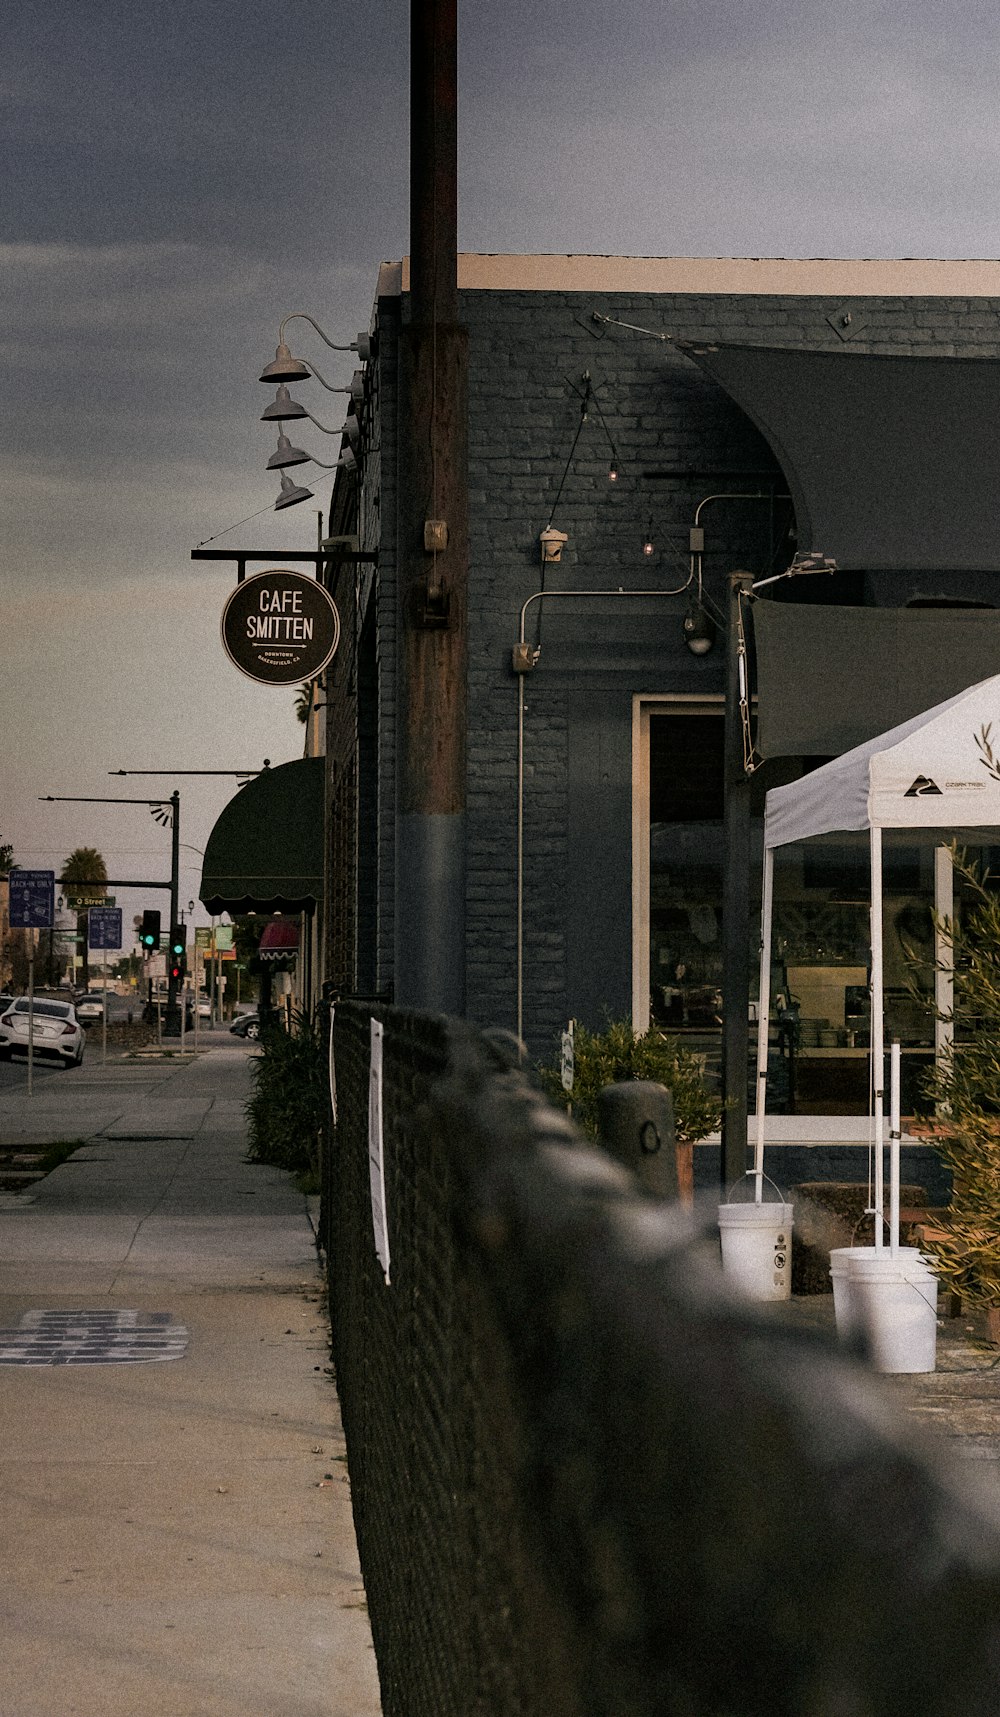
x=845, y=1309
x=757, y=1249
x=895, y=1301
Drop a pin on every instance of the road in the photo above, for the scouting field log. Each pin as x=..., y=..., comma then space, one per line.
x=14, y=1074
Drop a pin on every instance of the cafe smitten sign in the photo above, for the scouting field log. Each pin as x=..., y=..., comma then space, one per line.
x=280, y=627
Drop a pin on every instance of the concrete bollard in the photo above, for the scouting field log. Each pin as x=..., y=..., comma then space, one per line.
x=636, y=1123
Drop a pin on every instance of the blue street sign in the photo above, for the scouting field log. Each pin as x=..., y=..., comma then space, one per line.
x=32, y=899
x=104, y=927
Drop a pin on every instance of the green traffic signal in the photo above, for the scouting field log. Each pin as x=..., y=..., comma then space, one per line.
x=149, y=935
x=178, y=941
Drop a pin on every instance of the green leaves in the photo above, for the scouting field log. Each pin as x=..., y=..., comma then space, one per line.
x=965, y=1091
x=605, y=1058
x=289, y=1103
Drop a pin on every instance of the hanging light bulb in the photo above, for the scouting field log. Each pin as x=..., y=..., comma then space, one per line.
x=613, y=471
x=648, y=545
x=698, y=628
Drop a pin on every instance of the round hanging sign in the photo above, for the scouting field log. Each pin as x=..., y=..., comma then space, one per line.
x=280, y=627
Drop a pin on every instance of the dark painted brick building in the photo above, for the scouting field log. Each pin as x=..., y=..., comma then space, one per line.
x=589, y=414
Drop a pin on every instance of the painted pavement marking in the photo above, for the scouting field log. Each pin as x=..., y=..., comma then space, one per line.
x=92, y=1338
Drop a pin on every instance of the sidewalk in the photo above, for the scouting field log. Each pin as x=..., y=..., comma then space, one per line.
x=959, y=1402
x=178, y=1530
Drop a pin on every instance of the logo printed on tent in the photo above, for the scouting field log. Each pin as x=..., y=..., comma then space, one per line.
x=922, y=786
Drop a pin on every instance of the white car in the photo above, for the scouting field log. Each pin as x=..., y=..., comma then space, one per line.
x=90, y=1007
x=57, y=1031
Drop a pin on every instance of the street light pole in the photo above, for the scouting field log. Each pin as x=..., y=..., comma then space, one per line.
x=175, y=835
x=172, y=1022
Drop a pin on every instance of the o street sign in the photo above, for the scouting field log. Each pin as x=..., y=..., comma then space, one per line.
x=81, y=902
x=32, y=899
x=280, y=627
x=104, y=927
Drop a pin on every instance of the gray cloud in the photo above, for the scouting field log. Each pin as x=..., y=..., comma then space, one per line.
x=182, y=176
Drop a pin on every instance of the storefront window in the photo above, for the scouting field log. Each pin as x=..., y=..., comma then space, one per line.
x=821, y=1025
x=819, y=1059
x=685, y=878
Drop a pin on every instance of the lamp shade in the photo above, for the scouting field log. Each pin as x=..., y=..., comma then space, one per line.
x=282, y=407
x=285, y=368
x=291, y=494
x=286, y=454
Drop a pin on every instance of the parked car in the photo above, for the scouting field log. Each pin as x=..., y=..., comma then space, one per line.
x=248, y=1025
x=90, y=1007
x=57, y=1034
x=204, y=1008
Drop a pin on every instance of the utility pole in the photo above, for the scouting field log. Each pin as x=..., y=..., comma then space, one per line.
x=735, y=896
x=432, y=520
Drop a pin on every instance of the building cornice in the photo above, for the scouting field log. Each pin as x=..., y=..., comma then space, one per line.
x=906, y=277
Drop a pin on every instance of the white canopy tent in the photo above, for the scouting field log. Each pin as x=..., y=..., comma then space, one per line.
x=940, y=771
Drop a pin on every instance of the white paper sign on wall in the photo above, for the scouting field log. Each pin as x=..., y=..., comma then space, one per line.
x=376, y=1157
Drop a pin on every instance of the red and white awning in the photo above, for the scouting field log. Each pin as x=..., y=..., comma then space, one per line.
x=280, y=939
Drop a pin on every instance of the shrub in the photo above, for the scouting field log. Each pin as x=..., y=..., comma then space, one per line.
x=965, y=1089
x=615, y=1054
x=289, y=1104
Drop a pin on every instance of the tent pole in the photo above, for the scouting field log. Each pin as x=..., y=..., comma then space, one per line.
x=763, y=1011
x=894, y=1135
x=877, y=1030
x=944, y=958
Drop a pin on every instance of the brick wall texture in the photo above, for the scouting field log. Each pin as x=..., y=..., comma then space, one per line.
x=678, y=438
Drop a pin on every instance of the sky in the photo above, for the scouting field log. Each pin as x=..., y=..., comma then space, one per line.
x=182, y=175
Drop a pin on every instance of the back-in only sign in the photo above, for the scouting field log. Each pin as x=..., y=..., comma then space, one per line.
x=280, y=627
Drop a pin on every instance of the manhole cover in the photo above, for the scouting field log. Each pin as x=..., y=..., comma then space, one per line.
x=92, y=1338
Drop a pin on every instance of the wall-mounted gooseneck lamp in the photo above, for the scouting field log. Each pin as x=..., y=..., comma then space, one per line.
x=283, y=409
x=286, y=454
x=290, y=494
x=286, y=368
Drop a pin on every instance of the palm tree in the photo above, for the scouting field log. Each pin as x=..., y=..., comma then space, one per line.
x=85, y=865
x=304, y=701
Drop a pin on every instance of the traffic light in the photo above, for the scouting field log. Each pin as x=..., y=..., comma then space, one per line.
x=149, y=935
x=178, y=952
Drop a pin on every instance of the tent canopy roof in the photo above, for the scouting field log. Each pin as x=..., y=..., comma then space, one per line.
x=940, y=770
x=890, y=458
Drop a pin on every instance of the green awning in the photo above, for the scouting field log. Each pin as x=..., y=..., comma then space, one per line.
x=265, y=853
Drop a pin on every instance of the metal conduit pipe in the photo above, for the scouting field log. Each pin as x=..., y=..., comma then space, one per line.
x=524, y=660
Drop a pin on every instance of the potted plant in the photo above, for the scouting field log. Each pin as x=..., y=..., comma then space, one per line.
x=618, y=1053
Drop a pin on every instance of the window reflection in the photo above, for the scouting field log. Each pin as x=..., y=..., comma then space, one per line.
x=686, y=879
x=820, y=1026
